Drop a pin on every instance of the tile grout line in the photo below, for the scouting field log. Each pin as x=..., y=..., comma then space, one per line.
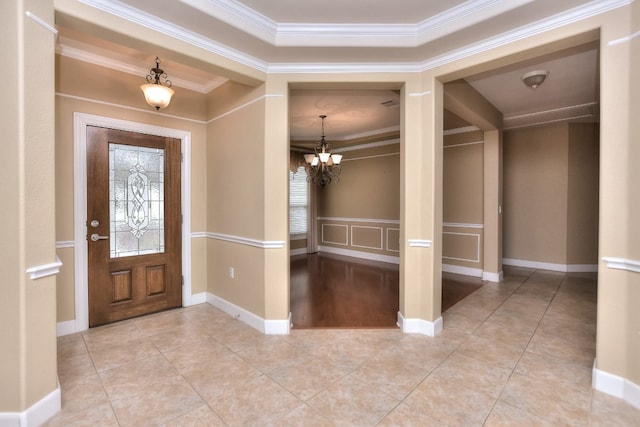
x=467, y=336
x=527, y=278
x=104, y=389
x=527, y=346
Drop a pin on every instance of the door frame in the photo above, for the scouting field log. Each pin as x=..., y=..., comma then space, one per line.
x=80, y=122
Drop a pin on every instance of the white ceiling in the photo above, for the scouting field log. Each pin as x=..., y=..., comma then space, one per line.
x=351, y=114
x=359, y=36
x=570, y=91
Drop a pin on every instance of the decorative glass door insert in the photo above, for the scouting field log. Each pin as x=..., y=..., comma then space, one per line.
x=136, y=200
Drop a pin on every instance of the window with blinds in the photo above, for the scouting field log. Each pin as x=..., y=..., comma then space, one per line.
x=298, y=196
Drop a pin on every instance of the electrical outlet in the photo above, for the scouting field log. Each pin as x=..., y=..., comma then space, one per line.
x=232, y=273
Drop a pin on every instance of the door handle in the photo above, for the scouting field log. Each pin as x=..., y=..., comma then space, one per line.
x=95, y=237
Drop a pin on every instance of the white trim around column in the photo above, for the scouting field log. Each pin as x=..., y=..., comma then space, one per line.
x=616, y=386
x=420, y=326
x=37, y=414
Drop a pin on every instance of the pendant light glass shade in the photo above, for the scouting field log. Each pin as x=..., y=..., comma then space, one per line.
x=324, y=157
x=156, y=95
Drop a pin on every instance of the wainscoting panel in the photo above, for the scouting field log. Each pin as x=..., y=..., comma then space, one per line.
x=335, y=234
x=462, y=245
x=393, y=240
x=366, y=237
x=376, y=237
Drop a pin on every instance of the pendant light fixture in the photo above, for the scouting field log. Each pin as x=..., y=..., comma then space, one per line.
x=322, y=166
x=157, y=93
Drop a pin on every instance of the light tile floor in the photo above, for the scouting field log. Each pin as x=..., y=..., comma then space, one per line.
x=518, y=353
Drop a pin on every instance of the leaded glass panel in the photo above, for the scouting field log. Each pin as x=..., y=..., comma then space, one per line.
x=136, y=200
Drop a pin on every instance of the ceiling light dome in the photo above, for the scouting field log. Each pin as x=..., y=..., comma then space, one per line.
x=533, y=79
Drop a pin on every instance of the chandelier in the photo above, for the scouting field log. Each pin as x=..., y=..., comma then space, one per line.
x=322, y=166
x=157, y=94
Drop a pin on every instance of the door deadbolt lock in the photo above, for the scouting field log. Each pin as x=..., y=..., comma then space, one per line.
x=94, y=223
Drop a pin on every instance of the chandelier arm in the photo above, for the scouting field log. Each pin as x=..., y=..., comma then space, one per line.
x=324, y=171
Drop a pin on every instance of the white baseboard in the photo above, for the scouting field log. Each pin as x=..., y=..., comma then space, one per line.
x=199, y=298
x=564, y=268
x=473, y=272
x=269, y=327
x=300, y=251
x=360, y=254
x=37, y=414
x=616, y=386
x=278, y=327
x=420, y=326
x=467, y=271
x=582, y=268
x=493, y=277
x=66, y=328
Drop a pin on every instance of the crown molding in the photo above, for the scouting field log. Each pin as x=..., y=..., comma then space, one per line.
x=576, y=14
x=239, y=16
x=292, y=34
x=346, y=35
x=366, y=145
x=464, y=129
x=370, y=133
x=462, y=16
x=344, y=68
x=64, y=49
x=128, y=13
x=231, y=10
x=555, y=115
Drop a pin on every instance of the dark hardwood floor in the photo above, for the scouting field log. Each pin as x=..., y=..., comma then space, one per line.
x=457, y=286
x=331, y=291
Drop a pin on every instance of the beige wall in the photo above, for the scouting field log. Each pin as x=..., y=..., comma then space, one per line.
x=476, y=183
x=535, y=194
x=297, y=244
x=369, y=185
x=236, y=195
x=90, y=89
x=463, y=178
x=618, y=342
x=27, y=223
x=618, y=346
x=463, y=200
x=361, y=212
x=551, y=194
x=493, y=202
x=582, y=193
x=421, y=160
x=632, y=371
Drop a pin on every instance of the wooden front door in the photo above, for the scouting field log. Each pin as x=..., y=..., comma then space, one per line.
x=133, y=224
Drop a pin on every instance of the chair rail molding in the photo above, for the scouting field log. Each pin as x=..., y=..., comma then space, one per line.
x=622, y=264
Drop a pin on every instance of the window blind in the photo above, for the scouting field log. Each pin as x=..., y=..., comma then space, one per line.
x=298, y=201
